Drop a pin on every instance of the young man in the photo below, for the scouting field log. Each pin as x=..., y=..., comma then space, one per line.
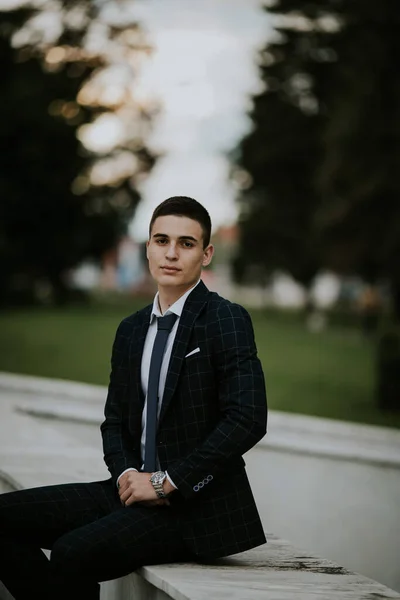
x=186, y=400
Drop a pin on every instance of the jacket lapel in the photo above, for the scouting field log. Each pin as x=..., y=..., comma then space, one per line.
x=137, y=345
x=193, y=306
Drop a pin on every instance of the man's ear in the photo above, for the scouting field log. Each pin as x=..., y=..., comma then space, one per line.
x=208, y=254
x=147, y=249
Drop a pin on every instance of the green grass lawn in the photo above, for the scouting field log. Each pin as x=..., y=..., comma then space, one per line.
x=330, y=374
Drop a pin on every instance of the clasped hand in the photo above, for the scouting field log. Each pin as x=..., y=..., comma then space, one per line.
x=136, y=487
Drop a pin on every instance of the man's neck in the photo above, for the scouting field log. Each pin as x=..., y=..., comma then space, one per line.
x=168, y=296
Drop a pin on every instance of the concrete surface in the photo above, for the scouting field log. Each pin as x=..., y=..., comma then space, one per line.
x=49, y=434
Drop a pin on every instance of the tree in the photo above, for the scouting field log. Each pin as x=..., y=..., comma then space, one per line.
x=281, y=152
x=277, y=216
x=325, y=145
x=357, y=178
x=55, y=209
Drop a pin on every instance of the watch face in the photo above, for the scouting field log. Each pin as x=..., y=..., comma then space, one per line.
x=158, y=477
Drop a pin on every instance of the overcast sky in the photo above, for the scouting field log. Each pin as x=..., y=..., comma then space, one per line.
x=203, y=71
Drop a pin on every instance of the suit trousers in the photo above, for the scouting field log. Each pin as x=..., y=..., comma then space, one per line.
x=92, y=538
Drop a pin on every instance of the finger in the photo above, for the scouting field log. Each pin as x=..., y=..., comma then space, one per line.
x=121, y=490
x=123, y=480
x=125, y=485
x=125, y=495
x=130, y=500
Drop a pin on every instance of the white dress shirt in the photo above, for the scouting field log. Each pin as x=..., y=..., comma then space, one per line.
x=176, y=309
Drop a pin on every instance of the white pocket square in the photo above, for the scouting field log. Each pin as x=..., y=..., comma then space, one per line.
x=193, y=352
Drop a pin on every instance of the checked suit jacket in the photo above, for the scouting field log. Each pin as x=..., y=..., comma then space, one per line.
x=213, y=410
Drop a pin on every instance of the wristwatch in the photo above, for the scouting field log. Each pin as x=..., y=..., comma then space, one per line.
x=157, y=479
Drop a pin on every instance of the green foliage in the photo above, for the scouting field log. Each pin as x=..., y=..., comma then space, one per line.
x=324, y=151
x=46, y=226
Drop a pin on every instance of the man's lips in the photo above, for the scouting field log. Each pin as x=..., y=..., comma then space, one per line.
x=170, y=269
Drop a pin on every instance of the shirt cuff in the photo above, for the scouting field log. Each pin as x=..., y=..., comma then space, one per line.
x=170, y=480
x=126, y=470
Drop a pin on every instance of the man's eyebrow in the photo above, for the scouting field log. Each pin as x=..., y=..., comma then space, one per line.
x=188, y=237
x=181, y=237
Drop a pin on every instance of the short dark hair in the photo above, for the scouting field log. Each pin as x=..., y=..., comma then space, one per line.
x=183, y=206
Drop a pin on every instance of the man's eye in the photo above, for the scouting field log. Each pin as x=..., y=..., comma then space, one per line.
x=188, y=244
x=161, y=240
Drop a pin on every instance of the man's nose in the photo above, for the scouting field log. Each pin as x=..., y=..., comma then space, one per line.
x=172, y=251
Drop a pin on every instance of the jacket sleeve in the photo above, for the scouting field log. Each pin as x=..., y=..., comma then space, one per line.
x=242, y=402
x=117, y=442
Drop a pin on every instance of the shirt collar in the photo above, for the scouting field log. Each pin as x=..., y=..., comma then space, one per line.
x=176, y=308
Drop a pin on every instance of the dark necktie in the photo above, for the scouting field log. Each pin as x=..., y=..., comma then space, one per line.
x=164, y=325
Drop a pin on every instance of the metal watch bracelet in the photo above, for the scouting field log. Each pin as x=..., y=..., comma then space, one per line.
x=157, y=479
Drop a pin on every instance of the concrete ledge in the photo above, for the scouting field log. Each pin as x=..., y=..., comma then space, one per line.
x=50, y=387
x=8, y=483
x=302, y=434
x=276, y=571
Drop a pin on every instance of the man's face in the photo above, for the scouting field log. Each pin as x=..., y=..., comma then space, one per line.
x=175, y=252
